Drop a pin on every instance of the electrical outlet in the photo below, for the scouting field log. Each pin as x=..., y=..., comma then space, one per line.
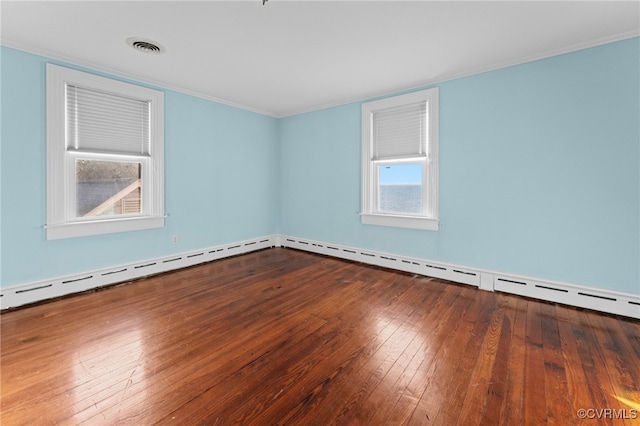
x=174, y=239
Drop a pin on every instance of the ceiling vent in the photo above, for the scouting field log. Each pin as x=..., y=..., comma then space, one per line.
x=145, y=45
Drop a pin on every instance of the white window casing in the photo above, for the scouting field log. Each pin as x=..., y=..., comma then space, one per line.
x=93, y=118
x=401, y=130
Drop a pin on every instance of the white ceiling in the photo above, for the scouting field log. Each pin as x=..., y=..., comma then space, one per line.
x=288, y=57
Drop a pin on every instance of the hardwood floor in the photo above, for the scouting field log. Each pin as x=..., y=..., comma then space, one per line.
x=286, y=337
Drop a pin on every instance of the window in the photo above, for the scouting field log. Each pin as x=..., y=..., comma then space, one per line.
x=400, y=161
x=105, y=143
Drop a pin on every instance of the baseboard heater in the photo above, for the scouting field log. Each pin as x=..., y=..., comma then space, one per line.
x=597, y=299
x=19, y=295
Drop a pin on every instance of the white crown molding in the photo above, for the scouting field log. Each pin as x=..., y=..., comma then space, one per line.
x=454, y=76
x=338, y=102
x=133, y=77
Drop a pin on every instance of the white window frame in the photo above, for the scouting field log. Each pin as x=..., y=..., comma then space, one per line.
x=61, y=185
x=428, y=219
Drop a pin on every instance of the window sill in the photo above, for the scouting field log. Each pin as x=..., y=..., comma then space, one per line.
x=413, y=222
x=105, y=226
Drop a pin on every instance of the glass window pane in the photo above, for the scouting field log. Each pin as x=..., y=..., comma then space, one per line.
x=107, y=188
x=400, y=188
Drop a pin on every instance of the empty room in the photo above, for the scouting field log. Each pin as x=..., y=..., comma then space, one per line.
x=271, y=212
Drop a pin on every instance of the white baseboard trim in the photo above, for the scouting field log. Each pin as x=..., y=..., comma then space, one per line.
x=18, y=295
x=597, y=299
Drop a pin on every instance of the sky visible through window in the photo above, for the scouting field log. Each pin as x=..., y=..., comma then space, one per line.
x=401, y=174
x=400, y=188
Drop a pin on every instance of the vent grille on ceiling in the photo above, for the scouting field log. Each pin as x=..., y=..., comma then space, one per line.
x=144, y=45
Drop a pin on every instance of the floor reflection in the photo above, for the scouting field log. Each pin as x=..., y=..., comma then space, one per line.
x=109, y=377
x=402, y=347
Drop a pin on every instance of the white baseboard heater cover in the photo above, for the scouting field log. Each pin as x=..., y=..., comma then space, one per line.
x=597, y=299
x=48, y=289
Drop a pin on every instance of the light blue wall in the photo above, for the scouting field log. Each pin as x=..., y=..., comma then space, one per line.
x=220, y=174
x=540, y=175
x=539, y=172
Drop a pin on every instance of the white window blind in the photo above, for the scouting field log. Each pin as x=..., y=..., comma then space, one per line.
x=400, y=161
x=105, y=153
x=400, y=131
x=98, y=121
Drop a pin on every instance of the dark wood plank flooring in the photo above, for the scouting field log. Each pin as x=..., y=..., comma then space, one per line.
x=286, y=337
